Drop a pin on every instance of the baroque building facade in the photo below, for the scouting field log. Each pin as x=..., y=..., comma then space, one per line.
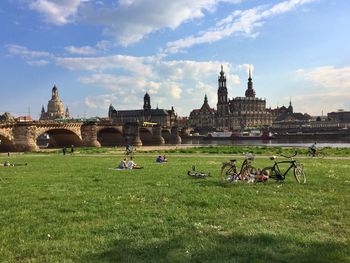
x=55, y=108
x=203, y=118
x=234, y=114
x=162, y=117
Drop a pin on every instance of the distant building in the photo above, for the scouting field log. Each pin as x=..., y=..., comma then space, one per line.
x=164, y=118
x=237, y=114
x=340, y=116
x=203, y=118
x=24, y=119
x=7, y=117
x=288, y=121
x=55, y=108
x=249, y=111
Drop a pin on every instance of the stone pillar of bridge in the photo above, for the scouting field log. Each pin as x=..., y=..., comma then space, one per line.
x=185, y=132
x=157, y=136
x=89, y=135
x=24, y=137
x=175, y=137
x=132, y=134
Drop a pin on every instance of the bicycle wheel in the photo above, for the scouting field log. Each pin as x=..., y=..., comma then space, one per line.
x=248, y=173
x=310, y=154
x=299, y=174
x=320, y=155
x=227, y=171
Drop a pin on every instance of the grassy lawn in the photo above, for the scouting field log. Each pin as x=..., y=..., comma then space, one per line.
x=74, y=209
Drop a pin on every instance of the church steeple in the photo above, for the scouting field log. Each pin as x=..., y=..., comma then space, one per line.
x=205, y=99
x=290, y=107
x=222, y=89
x=250, y=92
x=146, y=102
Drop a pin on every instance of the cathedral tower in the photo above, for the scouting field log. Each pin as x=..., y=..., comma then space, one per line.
x=146, y=102
x=223, y=102
x=250, y=92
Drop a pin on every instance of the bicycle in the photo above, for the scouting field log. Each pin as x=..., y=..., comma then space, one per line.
x=229, y=172
x=317, y=153
x=195, y=174
x=130, y=151
x=274, y=171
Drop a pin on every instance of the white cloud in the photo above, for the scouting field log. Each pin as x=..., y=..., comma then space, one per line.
x=24, y=52
x=100, y=102
x=331, y=87
x=89, y=50
x=121, y=84
x=239, y=22
x=131, y=20
x=58, y=12
x=135, y=65
x=328, y=77
x=84, y=50
x=325, y=102
x=41, y=62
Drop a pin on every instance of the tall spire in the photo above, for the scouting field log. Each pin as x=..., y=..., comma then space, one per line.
x=250, y=73
x=290, y=107
x=250, y=92
x=205, y=99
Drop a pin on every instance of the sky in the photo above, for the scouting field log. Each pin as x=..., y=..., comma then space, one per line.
x=102, y=52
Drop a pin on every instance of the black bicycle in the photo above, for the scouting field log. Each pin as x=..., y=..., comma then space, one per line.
x=317, y=153
x=274, y=172
x=198, y=175
x=229, y=171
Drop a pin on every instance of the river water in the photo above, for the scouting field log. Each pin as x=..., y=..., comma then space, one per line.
x=276, y=142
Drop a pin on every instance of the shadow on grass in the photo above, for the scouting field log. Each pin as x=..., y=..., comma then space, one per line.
x=213, y=183
x=222, y=247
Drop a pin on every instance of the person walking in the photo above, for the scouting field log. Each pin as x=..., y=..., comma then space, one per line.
x=72, y=150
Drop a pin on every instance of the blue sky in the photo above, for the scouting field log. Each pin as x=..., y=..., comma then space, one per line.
x=103, y=52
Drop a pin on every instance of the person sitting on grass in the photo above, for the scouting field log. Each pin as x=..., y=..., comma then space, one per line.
x=161, y=159
x=132, y=164
x=123, y=164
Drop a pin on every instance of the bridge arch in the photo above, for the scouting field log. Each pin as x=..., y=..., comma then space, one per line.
x=110, y=136
x=146, y=135
x=6, y=145
x=58, y=137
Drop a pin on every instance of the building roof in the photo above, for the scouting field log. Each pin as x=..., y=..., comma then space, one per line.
x=132, y=113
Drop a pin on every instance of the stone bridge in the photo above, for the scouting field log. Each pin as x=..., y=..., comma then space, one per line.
x=25, y=136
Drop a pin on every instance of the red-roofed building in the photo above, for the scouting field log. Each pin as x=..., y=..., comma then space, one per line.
x=203, y=118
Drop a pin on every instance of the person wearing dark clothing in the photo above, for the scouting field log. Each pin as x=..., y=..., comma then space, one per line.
x=64, y=150
x=72, y=150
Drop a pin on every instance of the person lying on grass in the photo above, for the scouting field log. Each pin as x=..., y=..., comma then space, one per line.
x=7, y=163
x=132, y=164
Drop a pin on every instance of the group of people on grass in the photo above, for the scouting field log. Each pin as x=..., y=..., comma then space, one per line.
x=128, y=164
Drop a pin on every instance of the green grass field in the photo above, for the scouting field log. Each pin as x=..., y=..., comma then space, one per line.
x=74, y=209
